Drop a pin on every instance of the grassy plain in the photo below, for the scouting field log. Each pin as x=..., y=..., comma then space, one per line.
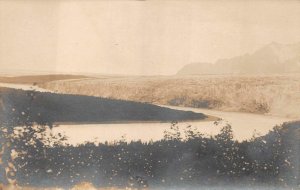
x=263, y=94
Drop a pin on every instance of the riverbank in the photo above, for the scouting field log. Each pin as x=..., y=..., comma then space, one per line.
x=244, y=125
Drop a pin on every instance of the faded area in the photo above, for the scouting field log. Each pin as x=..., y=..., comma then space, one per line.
x=137, y=37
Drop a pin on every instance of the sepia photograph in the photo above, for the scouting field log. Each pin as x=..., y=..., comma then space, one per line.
x=149, y=95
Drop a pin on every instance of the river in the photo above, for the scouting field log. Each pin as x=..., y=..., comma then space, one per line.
x=244, y=125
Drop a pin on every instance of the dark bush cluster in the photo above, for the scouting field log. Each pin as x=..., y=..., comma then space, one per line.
x=194, y=160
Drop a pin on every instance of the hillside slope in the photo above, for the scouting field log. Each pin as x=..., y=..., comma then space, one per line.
x=36, y=79
x=19, y=107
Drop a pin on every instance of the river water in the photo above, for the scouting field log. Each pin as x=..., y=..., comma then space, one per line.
x=244, y=125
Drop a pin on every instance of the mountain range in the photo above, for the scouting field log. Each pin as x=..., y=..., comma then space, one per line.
x=274, y=58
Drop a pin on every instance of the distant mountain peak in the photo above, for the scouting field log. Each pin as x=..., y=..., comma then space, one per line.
x=271, y=58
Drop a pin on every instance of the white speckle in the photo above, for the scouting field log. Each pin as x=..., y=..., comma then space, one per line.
x=49, y=171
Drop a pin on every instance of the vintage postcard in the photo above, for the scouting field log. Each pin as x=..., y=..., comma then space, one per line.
x=149, y=94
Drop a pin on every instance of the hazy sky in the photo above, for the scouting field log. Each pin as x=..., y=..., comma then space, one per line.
x=137, y=37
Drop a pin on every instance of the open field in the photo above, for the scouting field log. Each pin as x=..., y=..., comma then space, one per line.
x=264, y=94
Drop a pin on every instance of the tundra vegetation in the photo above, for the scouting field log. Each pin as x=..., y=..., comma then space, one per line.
x=262, y=94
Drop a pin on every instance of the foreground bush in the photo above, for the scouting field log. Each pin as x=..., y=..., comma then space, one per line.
x=179, y=159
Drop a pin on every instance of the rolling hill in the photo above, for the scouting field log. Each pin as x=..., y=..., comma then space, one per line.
x=36, y=79
x=19, y=107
